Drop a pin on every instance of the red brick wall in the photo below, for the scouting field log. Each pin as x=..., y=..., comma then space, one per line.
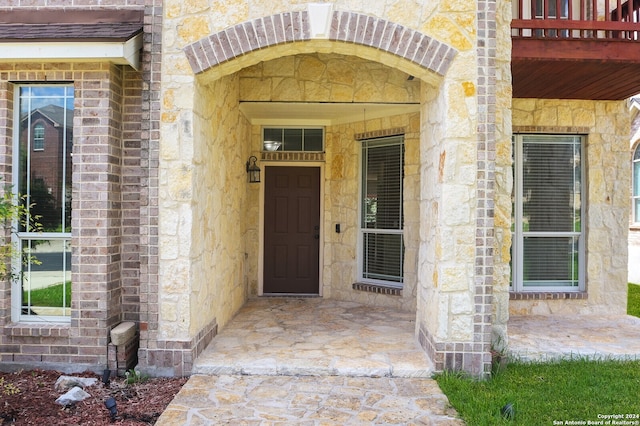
x=99, y=192
x=115, y=135
x=131, y=175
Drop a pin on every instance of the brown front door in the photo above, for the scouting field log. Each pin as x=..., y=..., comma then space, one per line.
x=291, y=230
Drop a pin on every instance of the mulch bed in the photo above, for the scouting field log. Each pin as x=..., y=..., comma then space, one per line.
x=139, y=403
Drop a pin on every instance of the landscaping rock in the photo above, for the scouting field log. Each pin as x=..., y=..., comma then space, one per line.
x=74, y=395
x=65, y=383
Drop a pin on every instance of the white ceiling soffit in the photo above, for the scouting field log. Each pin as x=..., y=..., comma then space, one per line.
x=319, y=114
x=119, y=52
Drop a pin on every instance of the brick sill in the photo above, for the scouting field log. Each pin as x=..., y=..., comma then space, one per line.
x=377, y=288
x=548, y=295
x=37, y=329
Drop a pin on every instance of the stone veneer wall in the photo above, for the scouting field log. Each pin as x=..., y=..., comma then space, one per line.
x=342, y=199
x=326, y=77
x=206, y=235
x=467, y=121
x=96, y=220
x=606, y=126
x=226, y=133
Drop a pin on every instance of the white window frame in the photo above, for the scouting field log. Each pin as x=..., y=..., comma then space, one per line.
x=635, y=195
x=19, y=238
x=518, y=232
x=362, y=230
x=281, y=148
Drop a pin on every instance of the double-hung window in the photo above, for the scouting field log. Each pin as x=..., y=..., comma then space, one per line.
x=43, y=135
x=548, y=240
x=38, y=137
x=381, y=220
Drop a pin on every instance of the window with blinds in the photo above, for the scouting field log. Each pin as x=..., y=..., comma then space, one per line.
x=381, y=210
x=636, y=185
x=548, y=240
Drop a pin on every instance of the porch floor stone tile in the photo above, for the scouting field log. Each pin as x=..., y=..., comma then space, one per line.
x=545, y=338
x=316, y=336
x=312, y=361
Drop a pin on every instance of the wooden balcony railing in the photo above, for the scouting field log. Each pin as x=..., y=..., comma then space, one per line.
x=577, y=19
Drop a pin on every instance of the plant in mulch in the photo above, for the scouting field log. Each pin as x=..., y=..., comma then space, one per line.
x=133, y=376
x=7, y=388
x=139, y=403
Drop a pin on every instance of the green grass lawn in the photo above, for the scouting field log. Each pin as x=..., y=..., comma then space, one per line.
x=543, y=393
x=572, y=390
x=50, y=296
x=633, y=300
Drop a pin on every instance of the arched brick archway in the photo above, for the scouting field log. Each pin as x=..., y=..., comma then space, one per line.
x=295, y=27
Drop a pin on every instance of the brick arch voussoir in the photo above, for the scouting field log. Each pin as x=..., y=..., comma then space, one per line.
x=346, y=27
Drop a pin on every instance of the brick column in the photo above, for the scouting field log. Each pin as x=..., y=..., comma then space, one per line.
x=97, y=212
x=149, y=165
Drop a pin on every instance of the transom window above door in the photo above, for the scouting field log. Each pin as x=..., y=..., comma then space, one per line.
x=309, y=139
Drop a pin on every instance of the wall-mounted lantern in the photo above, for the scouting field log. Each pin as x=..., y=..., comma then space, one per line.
x=253, y=170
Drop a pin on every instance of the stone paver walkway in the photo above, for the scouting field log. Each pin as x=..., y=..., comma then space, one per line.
x=308, y=400
x=312, y=361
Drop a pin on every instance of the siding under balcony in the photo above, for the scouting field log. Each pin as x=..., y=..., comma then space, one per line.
x=576, y=49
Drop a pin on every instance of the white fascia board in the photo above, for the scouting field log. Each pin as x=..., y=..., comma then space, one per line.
x=123, y=53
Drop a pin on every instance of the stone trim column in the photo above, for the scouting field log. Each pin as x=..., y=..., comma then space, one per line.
x=486, y=157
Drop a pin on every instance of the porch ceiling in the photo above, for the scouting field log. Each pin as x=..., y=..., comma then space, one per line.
x=320, y=113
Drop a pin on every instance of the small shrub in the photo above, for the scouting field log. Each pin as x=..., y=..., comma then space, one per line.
x=10, y=214
x=8, y=388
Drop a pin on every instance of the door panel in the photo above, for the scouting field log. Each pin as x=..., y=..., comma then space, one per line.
x=291, y=230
